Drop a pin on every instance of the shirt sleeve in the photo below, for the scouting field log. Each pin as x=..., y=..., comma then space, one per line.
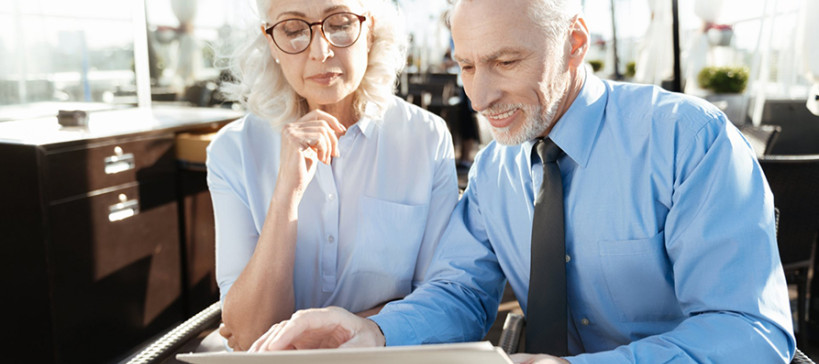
x=720, y=239
x=442, y=200
x=459, y=300
x=236, y=234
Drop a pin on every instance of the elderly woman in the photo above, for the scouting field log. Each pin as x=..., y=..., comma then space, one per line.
x=332, y=191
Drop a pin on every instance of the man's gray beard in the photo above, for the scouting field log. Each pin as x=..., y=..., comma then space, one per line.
x=534, y=126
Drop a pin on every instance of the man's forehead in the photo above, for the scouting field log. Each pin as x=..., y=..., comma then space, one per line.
x=486, y=30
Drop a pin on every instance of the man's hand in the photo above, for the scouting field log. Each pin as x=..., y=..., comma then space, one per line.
x=537, y=359
x=320, y=328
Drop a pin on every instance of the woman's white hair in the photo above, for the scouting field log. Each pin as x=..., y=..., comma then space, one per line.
x=261, y=87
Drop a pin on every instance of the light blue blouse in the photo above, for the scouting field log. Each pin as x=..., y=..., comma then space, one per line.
x=368, y=223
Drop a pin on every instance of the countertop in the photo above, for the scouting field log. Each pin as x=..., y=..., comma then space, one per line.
x=112, y=123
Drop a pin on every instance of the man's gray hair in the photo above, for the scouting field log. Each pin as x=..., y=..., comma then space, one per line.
x=552, y=16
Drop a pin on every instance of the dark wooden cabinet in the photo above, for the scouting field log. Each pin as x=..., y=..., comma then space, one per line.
x=199, y=238
x=103, y=245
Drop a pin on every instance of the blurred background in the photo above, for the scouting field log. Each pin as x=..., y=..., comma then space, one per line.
x=757, y=60
x=84, y=51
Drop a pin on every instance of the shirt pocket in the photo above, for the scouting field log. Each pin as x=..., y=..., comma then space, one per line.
x=387, y=242
x=639, y=279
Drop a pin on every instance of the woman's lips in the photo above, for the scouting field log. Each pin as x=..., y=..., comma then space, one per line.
x=325, y=78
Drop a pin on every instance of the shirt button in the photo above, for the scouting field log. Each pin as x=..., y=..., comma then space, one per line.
x=331, y=196
x=585, y=322
x=568, y=258
x=331, y=239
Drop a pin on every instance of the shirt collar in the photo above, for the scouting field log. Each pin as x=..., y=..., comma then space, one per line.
x=366, y=125
x=576, y=130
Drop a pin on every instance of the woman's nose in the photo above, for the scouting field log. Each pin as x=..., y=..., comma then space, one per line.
x=320, y=48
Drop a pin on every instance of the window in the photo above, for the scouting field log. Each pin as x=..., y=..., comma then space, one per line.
x=61, y=51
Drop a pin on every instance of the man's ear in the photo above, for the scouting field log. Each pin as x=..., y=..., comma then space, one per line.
x=578, y=41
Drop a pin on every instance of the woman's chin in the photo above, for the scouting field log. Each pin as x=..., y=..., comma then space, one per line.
x=327, y=97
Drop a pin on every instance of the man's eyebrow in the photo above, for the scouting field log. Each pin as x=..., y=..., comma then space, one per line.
x=503, y=52
x=459, y=59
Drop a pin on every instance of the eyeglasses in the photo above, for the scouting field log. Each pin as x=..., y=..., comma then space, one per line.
x=293, y=36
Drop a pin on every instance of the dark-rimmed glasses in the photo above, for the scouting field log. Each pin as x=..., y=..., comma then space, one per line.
x=293, y=36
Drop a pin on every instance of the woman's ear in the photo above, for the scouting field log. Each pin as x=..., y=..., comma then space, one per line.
x=371, y=34
x=274, y=51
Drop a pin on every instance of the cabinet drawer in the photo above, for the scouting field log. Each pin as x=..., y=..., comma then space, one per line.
x=116, y=272
x=78, y=171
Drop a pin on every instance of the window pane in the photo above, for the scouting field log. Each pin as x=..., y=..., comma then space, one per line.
x=57, y=51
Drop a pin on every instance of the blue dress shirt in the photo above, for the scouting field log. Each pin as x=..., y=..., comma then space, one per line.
x=368, y=223
x=670, y=248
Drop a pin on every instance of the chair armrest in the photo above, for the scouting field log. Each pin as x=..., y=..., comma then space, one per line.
x=801, y=358
x=512, y=330
x=165, y=345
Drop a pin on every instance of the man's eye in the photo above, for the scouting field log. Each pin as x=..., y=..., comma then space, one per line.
x=507, y=63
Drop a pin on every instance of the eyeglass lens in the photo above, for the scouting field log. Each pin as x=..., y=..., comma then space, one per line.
x=294, y=35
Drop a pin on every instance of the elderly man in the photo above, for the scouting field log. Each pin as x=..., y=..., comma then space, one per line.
x=633, y=224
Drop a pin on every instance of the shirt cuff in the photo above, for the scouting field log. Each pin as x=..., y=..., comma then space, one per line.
x=608, y=357
x=396, y=329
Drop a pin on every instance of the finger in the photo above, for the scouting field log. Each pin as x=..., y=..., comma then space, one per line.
x=333, y=134
x=314, y=322
x=522, y=358
x=325, y=140
x=308, y=128
x=258, y=343
x=357, y=341
x=333, y=143
x=330, y=146
x=331, y=120
x=321, y=139
x=321, y=146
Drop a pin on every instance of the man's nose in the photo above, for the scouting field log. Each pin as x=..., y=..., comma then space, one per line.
x=483, y=90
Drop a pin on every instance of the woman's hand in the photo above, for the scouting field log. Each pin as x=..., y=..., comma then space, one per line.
x=312, y=138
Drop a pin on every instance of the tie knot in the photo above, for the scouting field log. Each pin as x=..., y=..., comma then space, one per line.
x=547, y=150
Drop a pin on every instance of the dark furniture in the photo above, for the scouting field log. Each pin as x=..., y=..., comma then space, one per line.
x=762, y=138
x=198, y=237
x=93, y=263
x=800, y=128
x=794, y=181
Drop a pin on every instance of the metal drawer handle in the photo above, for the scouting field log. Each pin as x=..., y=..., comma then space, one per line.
x=123, y=210
x=119, y=162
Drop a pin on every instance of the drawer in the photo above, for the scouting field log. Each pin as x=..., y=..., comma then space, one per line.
x=116, y=270
x=78, y=171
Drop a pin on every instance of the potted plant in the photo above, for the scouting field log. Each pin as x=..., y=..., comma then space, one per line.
x=726, y=85
x=719, y=34
x=631, y=70
x=596, y=65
